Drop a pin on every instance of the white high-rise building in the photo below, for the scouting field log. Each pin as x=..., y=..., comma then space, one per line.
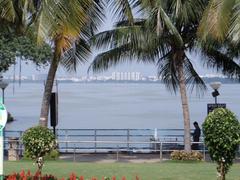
x=137, y=76
x=118, y=77
x=126, y=76
x=114, y=76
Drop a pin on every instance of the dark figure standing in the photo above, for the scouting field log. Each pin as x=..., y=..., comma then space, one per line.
x=196, y=135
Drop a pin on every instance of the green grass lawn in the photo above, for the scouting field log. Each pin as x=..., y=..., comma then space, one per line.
x=146, y=171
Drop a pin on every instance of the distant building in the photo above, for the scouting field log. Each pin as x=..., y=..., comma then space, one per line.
x=126, y=76
x=39, y=77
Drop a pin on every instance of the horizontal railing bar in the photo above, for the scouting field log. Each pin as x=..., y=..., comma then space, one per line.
x=121, y=129
x=108, y=135
x=120, y=142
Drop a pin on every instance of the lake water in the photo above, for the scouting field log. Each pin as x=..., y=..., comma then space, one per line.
x=115, y=105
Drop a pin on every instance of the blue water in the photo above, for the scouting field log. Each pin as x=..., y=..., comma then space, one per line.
x=119, y=105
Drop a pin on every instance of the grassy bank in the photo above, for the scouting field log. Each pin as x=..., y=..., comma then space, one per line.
x=146, y=171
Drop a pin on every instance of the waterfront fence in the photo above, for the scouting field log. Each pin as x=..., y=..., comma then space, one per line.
x=76, y=147
x=64, y=136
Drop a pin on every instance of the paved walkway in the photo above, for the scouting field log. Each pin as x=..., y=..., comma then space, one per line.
x=110, y=158
x=121, y=157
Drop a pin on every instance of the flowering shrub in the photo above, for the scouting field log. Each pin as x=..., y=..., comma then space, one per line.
x=183, y=155
x=28, y=176
x=38, y=141
x=37, y=176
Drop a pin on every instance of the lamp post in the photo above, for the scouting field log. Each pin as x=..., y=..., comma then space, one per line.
x=3, y=85
x=215, y=86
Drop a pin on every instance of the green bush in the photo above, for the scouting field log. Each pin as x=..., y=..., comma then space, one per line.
x=53, y=155
x=38, y=142
x=186, y=156
x=221, y=131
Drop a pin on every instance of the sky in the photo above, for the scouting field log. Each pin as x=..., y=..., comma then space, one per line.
x=144, y=69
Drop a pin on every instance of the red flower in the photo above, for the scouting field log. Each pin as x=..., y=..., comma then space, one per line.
x=22, y=174
x=72, y=176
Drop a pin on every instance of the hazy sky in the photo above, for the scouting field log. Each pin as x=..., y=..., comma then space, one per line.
x=145, y=69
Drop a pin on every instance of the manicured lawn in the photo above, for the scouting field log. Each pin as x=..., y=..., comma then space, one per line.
x=147, y=171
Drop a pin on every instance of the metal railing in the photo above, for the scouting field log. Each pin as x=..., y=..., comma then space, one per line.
x=97, y=135
x=76, y=147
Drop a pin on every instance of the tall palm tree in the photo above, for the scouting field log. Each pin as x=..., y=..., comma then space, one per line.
x=78, y=23
x=68, y=25
x=164, y=38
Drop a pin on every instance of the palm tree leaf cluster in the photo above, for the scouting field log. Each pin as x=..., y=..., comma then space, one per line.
x=170, y=25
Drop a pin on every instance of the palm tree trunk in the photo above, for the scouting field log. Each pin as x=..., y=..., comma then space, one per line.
x=43, y=121
x=185, y=108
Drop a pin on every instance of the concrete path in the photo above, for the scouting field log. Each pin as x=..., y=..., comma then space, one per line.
x=111, y=158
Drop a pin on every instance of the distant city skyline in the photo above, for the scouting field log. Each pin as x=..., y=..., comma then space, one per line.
x=144, y=69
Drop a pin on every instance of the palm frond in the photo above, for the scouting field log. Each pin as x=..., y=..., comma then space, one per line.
x=167, y=72
x=216, y=19
x=234, y=31
x=111, y=58
x=158, y=14
x=7, y=10
x=122, y=10
x=193, y=80
x=221, y=62
x=78, y=54
x=186, y=12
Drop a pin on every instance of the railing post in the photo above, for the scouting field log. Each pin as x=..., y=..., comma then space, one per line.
x=160, y=151
x=66, y=139
x=117, y=152
x=74, y=153
x=128, y=139
x=204, y=152
x=20, y=152
x=238, y=150
x=95, y=139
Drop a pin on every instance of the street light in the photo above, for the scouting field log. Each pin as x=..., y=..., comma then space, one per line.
x=3, y=85
x=215, y=86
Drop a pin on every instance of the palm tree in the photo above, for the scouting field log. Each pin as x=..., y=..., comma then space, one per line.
x=165, y=37
x=68, y=29
x=70, y=34
x=65, y=24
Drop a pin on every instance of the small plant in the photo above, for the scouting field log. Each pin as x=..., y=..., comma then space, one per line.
x=184, y=156
x=53, y=155
x=221, y=131
x=38, y=142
